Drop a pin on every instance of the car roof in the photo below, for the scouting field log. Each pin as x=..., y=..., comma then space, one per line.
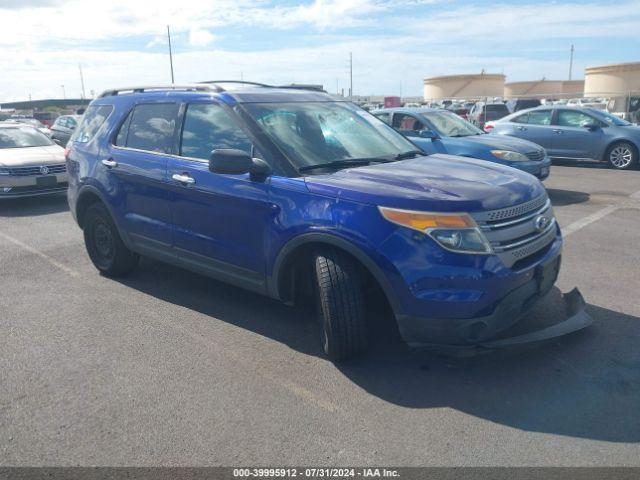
x=414, y=110
x=16, y=125
x=241, y=92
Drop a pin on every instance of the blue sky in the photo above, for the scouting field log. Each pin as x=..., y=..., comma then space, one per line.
x=395, y=44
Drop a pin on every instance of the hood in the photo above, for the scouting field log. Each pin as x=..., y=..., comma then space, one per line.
x=440, y=183
x=18, y=157
x=498, y=142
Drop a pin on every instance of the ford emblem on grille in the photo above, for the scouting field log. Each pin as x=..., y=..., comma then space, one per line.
x=541, y=222
x=44, y=170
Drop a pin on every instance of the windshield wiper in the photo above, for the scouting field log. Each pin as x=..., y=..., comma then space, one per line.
x=354, y=162
x=409, y=154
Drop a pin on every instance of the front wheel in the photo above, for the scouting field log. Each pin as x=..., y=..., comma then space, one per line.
x=104, y=245
x=341, y=305
x=622, y=155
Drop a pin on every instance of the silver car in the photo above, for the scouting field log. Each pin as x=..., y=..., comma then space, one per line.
x=30, y=162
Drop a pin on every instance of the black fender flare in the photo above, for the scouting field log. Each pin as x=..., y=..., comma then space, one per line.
x=336, y=241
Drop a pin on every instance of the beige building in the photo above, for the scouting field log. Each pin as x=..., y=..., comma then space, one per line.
x=607, y=80
x=470, y=86
x=544, y=89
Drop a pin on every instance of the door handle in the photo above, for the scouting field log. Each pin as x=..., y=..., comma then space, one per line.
x=109, y=163
x=185, y=179
x=557, y=131
x=521, y=128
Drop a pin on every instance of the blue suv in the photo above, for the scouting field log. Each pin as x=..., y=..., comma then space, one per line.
x=311, y=200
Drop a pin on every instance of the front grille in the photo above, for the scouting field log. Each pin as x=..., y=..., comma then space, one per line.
x=513, y=232
x=536, y=155
x=35, y=170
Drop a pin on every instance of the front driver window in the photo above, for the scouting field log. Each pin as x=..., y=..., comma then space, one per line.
x=574, y=118
x=407, y=122
x=208, y=127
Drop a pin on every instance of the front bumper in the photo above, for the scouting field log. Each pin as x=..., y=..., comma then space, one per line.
x=30, y=186
x=577, y=319
x=539, y=169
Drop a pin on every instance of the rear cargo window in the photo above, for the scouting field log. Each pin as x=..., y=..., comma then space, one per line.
x=91, y=122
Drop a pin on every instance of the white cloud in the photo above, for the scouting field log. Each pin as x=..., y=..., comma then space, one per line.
x=449, y=39
x=200, y=38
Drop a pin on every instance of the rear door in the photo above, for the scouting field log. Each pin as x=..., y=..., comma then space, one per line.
x=219, y=221
x=534, y=126
x=571, y=138
x=137, y=159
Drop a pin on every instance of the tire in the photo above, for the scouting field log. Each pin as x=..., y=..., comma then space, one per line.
x=341, y=305
x=622, y=155
x=104, y=245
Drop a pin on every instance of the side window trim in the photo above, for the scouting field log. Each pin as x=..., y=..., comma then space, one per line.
x=129, y=116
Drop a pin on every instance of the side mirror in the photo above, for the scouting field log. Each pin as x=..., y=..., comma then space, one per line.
x=231, y=161
x=591, y=126
x=57, y=141
x=428, y=134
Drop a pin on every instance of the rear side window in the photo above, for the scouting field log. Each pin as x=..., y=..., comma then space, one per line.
x=385, y=117
x=91, y=122
x=539, y=117
x=150, y=127
x=208, y=127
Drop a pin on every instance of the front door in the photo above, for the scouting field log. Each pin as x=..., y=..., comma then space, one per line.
x=572, y=139
x=219, y=221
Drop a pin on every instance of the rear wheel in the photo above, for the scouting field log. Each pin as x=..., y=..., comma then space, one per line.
x=104, y=245
x=341, y=304
x=622, y=155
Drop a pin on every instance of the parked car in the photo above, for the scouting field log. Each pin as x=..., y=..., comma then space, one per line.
x=625, y=107
x=46, y=118
x=30, y=163
x=63, y=128
x=301, y=197
x=518, y=104
x=576, y=133
x=31, y=121
x=459, y=109
x=486, y=112
x=441, y=131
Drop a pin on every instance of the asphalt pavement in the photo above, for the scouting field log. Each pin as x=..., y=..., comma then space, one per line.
x=168, y=367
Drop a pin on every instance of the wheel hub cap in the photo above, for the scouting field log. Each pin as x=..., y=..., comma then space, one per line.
x=621, y=156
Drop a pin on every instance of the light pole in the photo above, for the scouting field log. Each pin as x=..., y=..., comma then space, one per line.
x=64, y=94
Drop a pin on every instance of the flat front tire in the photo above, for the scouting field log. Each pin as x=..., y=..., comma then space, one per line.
x=104, y=245
x=341, y=305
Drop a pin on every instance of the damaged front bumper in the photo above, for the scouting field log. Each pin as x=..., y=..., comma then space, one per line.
x=445, y=336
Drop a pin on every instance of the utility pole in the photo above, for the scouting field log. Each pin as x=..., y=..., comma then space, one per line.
x=350, y=74
x=82, y=81
x=170, y=54
x=571, y=62
x=64, y=93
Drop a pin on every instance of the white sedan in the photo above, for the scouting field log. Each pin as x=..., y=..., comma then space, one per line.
x=30, y=162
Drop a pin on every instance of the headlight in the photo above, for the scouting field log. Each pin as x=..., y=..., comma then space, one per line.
x=456, y=232
x=509, y=155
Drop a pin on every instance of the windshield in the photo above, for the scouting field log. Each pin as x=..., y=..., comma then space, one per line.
x=22, y=137
x=610, y=118
x=451, y=125
x=314, y=133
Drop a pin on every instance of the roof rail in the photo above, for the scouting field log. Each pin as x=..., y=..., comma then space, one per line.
x=293, y=86
x=188, y=87
x=240, y=82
